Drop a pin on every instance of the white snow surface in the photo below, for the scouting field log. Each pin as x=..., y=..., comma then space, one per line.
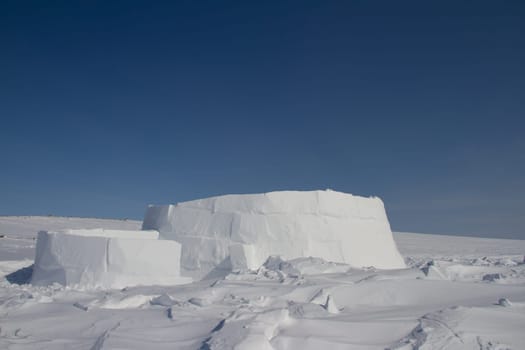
x=455, y=293
x=236, y=232
x=20, y=231
x=102, y=232
x=100, y=258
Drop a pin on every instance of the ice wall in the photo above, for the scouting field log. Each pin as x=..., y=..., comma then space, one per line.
x=241, y=231
x=106, y=259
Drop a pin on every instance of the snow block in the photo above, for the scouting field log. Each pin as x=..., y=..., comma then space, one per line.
x=241, y=231
x=106, y=259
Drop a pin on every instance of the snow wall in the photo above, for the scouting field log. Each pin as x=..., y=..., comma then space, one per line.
x=241, y=231
x=106, y=259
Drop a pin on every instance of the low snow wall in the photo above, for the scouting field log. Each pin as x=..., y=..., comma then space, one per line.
x=106, y=259
x=241, y=231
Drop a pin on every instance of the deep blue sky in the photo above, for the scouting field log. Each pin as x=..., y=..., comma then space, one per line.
x=107, y=106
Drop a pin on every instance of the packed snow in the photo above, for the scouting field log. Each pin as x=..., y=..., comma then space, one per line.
x=236, y=232
x=101, y=258
x=454, y=293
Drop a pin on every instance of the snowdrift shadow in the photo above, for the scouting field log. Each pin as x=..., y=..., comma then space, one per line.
x=205, y=345
x=223, y=269
x=22, y=276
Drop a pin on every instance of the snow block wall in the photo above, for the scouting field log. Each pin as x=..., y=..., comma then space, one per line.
x=106, y=259
x=241, y=231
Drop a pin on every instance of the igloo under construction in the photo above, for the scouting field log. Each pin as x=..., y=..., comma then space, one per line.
x=240, y=231
x=210, y=237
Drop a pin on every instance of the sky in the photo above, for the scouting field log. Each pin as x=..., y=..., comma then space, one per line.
x=108, y=106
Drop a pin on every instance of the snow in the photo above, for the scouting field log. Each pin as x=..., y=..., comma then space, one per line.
x=301, y=303
x=101, y=232
x=100, y=258
x=236, y=232
x=20, y=231
x=427, y=245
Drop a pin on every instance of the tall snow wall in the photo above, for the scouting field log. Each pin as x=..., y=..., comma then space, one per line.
x=98, y=258
x=241, y=231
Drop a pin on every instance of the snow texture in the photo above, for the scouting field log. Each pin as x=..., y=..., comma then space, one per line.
x=106, y=259
x=303, y=303
x=236, y=232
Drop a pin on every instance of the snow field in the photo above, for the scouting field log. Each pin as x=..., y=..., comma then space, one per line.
x=301, y=303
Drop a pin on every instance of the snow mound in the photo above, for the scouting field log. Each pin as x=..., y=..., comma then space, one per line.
x=106, y=259
x=241, y=231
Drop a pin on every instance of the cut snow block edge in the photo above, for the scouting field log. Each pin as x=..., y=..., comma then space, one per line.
x=88, y=259
x=102, y=232
x=241, y=231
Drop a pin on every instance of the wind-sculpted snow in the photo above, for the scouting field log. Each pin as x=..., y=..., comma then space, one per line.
x=457, y=328
x=441, y=300
x=105, y=259
x=240, y=231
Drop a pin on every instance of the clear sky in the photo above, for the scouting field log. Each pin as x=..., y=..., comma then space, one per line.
x=107, y=106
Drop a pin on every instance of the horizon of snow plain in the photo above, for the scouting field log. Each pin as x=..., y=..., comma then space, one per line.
x=453, y=293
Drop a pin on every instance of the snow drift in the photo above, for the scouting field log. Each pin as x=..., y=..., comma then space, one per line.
x=241, y=231
x=106, y=258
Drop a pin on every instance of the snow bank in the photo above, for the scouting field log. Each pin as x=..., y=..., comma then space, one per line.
x=241, y=231
x=106, y=259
